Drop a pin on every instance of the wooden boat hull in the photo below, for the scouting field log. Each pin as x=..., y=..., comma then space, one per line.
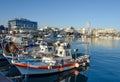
x=33, y=70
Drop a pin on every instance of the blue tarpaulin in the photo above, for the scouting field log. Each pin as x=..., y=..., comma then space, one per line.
x=2, y=28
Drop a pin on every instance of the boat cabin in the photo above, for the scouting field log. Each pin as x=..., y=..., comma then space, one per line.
x=46, y=47
x=63, y=50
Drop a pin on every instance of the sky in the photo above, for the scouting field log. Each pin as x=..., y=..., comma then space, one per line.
x=63, y=13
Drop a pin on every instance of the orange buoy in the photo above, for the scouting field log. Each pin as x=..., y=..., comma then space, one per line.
x=87, y=60
x=49, y=67
x=60, y=69
x=76, y=65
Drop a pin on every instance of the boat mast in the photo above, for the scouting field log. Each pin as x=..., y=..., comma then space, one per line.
x=87, y=48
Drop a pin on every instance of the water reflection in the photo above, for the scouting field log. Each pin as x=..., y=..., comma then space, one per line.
x=74, y=75
x=106, y=43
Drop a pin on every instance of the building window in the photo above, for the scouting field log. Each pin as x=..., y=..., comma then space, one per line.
x=67, y=53
x=56, y=52
x=61, y=52
x=22, y=23
x=49, y=49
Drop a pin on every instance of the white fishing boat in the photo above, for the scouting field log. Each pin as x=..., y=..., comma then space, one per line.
x=58, y=60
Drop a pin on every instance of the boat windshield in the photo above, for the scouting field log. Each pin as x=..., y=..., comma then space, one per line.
x=29, y=60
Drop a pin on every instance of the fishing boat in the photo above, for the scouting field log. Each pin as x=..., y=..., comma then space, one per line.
x=50, y=59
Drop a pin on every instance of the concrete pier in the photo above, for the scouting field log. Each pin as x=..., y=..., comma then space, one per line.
x=4, y=78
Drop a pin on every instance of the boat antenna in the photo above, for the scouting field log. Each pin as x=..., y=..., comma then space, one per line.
x=87, y=48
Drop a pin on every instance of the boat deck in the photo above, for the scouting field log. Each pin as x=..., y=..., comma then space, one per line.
x=4, y=79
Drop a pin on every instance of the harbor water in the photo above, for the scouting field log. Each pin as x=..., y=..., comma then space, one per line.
x=104, y=64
